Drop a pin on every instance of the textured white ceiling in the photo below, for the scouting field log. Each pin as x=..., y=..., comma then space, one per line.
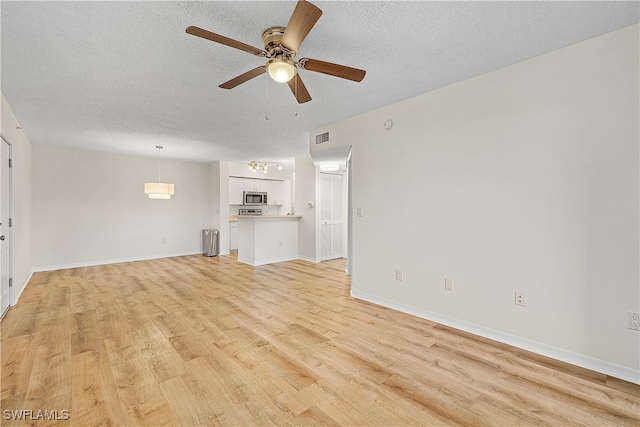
x=124, y=76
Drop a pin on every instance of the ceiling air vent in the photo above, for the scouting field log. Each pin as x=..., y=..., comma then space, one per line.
x=322, y=138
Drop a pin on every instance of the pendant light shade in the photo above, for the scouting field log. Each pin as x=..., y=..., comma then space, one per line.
x=159, y=190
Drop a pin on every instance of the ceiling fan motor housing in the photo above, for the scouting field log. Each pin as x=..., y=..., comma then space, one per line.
x=271, y=38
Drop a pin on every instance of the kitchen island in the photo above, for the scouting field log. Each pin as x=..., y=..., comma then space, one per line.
x=267, y=239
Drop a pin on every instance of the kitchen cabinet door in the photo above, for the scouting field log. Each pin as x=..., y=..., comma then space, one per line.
x=236, y=187
x=252, y=184
x=286, y=201
x=233, y=236
x=275, y=192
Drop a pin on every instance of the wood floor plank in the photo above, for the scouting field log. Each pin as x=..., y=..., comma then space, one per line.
x=198, y=341
x=128, y=366
x=313, y=416
x=160, y=356
x=95, y=400
x=18, y=354
x=191, y=404
x=50, y=381
x=218, y=379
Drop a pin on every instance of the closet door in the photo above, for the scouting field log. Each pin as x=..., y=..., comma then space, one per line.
x=330, y=216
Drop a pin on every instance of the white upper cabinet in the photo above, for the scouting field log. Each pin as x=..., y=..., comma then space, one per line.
x=236, y=187
x=275, y=192
x=251, y=184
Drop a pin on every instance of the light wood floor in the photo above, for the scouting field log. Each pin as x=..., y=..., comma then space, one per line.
x=209, y=341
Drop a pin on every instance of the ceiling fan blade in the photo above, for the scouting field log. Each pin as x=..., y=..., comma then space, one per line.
x=244, y=77
x=199, y=32
x=304, y=17
x=299, y=89
x=332, y=69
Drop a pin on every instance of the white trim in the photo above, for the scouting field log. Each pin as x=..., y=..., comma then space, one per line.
x=18, y=292
x=267, y=261
x=113, y=261
x=304, y=258
x=584, y=361
x=9, y=233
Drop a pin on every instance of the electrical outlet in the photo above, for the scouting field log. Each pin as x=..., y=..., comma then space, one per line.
x=633, y=321
x=520, y=298
x=399, y=275
x=448, y=284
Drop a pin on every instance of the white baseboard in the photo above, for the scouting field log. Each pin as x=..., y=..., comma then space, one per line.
x=112, y=261
x=584, y=361
x=267, y=261
x=304, y=258
x=18, y=292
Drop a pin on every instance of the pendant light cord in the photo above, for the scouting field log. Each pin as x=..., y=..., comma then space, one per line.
x=266, y=117
x=159, y=147
x=295, y=89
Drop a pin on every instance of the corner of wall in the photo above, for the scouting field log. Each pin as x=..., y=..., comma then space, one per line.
x=12, y=132
x=305, y=192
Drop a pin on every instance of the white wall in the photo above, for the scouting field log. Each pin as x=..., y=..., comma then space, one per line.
x=89, y=208
x=22, y=207
x=219, y=174
x=523, y=179
x=306, y=191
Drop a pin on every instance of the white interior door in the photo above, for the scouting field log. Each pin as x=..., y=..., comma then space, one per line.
x=5, y=243
x=330, y=216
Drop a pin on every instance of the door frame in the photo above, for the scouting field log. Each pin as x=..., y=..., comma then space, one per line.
x=343, y=221
x=8, y=198
x=350, y=215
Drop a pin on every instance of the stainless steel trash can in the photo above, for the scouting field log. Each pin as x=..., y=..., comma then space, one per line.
x=209, y=242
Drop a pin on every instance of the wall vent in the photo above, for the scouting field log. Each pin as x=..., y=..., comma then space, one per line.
x=322, y=138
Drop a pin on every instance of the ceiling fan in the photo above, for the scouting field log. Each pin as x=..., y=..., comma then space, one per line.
x=281, y=46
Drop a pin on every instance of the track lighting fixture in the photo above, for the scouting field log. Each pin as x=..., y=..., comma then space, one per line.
x=254, y=165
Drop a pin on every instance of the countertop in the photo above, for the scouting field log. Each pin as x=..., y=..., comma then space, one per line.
x=234, y=218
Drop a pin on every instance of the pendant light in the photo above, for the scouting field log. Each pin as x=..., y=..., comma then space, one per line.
x=158, y=190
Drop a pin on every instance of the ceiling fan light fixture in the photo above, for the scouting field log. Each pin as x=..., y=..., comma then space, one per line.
x=281, y=69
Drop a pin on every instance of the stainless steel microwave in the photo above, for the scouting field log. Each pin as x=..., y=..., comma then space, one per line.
x=254, y=198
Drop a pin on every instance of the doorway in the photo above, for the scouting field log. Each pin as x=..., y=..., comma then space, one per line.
x=5, y=227
x=331, y=216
